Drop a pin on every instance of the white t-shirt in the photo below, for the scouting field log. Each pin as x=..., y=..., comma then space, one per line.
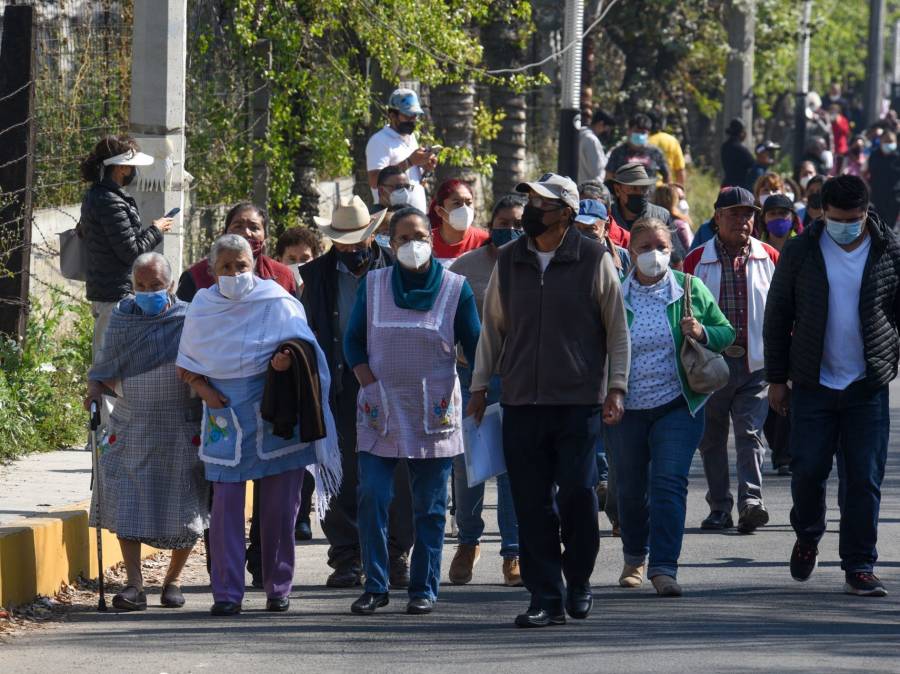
x=843, y=355
x=389, y=148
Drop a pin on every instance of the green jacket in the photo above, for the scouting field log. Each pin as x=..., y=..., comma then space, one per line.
x=719, y=333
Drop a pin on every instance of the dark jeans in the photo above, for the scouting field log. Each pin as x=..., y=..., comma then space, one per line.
x=547, y=446
x=340, y=523
x=857, y=420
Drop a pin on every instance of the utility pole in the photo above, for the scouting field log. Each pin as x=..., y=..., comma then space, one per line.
x=157, y=114
x=740, y=20
x=802, y=83
x=570, y=114
x=895, y=65
x=875, y=62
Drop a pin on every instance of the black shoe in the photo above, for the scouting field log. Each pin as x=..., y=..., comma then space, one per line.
x=419, y=606
x=539, y=617
x=579, y=602
x=864, y=584
x=225, y=608
x=256, y=581
x=346, y=577
x=752, y=518
x=278, y=604
x=303, y=531
x=171, y=597
x=804, y=560
x=717, y=520
x=130, y=599
x=368, y=602
x=399, y=573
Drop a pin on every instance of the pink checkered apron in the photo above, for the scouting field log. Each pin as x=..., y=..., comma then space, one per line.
x=414, y=409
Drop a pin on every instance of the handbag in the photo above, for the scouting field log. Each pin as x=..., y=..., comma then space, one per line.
x=706, y=371
x=73, y=254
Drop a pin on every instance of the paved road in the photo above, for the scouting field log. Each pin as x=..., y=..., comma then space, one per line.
x=741, y=613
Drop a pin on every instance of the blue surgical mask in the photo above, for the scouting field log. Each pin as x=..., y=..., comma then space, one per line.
x=383, y=240
x=152, y=303
x=639, y=139
x=889, y=147
x=843, y=232
x=500, y=237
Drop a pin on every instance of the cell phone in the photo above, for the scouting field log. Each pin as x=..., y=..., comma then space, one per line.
x=171, y=214
x=434, y=149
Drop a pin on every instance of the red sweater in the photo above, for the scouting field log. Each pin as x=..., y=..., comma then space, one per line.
x=475, y=238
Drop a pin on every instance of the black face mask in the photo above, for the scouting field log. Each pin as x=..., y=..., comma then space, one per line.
x=127, y=180
x=815, y=201
x=533, y=221
x=354, y=259
x=406, y=128
x=636, y=203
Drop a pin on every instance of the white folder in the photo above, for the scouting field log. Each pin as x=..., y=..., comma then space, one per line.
x=484, y=446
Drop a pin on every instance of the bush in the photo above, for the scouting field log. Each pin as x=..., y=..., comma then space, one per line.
x=702, y=190
x=42, y=380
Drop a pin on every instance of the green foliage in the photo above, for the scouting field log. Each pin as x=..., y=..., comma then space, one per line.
x=42, y=383
x=702, y=190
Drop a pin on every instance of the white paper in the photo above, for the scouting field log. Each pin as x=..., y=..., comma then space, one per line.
x=484, y=446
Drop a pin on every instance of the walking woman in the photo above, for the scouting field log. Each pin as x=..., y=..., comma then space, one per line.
x=662, y=425
x=400, y=342
x=452, y=218
x=154, y=491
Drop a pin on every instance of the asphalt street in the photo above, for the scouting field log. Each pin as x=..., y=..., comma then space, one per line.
x=741, y=612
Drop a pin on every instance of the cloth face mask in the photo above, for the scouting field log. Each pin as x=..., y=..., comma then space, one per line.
x=237, y=287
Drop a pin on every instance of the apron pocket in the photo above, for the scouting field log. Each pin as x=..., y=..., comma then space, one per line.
x=442, y=401
x=221, y=436
x=270, y=446
x=371, y=408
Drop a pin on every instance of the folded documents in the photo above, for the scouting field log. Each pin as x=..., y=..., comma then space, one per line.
x=484, y=446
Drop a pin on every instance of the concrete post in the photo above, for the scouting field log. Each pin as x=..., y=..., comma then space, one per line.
x=875, y=62
x=740, y=20
x=157, y=113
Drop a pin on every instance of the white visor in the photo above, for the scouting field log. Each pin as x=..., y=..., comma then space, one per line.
x=129, y=158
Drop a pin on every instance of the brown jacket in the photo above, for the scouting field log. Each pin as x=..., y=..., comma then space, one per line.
x=548, y=334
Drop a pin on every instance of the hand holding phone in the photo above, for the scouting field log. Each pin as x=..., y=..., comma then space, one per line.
x=171, y=214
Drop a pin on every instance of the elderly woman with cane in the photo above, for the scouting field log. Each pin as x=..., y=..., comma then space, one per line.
x=248, y=352
x=153, y=486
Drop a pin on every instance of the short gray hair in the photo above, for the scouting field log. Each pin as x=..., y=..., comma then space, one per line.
x=155, y=260
x=231, y=243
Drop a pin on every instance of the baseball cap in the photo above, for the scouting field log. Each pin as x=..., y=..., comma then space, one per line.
x=591, y=210
x=734, y=197
x=553, y=186
x=406, y=101
x=633, y=173
x=776, y=201
x=766, y=146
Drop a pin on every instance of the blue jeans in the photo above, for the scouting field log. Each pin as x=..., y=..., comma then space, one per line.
x=428, y=480
x=856, y=423
x=470, y=500
x=602, y=463
x=652, y=451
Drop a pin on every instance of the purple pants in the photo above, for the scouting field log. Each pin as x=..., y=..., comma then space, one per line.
x=279, y=501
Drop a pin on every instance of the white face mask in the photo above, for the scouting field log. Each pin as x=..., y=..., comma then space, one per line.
x=460, y=218
x=804, y=181
x=237, y=287
x=414, y=254
x=653, y=263
x=765, y=195
x=401, y=196
x=684, y=206
x=790, y=195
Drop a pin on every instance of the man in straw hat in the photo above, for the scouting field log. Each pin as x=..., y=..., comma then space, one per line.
x=330, y=285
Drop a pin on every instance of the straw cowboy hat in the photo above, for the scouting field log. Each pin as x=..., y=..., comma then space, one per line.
x=351, y=223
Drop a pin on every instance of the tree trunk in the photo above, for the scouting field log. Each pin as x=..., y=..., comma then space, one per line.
x=453, y=113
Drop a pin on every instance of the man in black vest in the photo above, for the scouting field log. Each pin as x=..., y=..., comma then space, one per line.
x=553, y=308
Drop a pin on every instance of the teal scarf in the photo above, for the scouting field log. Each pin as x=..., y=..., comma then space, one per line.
x=416, y=290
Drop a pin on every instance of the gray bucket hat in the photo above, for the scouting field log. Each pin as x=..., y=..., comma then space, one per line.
x=633, y=173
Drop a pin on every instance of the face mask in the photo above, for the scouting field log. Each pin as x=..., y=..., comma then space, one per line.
x=354, y=259
x=684, y=206
x=256, y=247
x=804, y=181
x=460, y=218
x=639, y=138
x=237, y=287
x=843, y=232
x=127, y=180
x=406, y=128
x=383, y=240
x=779, y=227
x=815, y=201
x=500, y=237
x=152, y=303
x=653, y=263
x=887, y=148
x=636, y=203
x=414, y=254
x=790, y=195
x=763, y=197
x=401, y=196
x=533, y=221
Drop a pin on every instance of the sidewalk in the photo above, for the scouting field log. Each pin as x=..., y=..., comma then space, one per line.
x=38, y=483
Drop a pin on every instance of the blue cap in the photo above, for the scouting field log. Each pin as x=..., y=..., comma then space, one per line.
x=590, y=210
x=406, y=101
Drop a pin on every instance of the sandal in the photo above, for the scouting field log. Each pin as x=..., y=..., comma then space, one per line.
x=130, y=599
x=171, y=597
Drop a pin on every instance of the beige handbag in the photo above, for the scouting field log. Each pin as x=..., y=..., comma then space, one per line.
x=706, y=371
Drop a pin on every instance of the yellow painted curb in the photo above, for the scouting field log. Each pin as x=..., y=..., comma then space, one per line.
x=39, y=554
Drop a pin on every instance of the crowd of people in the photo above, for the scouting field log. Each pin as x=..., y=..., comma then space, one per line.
x=617, y=337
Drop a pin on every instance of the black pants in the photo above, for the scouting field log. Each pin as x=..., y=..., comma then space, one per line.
x=340, y=521
x=549, y=447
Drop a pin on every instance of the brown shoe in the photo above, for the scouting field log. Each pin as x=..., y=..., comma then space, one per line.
x=666, y=586
x=463, y=563
x=512, y=577
x=632, y=576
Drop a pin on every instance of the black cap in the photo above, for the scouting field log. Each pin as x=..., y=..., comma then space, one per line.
x=766, y=146
x=776, y=201
x=732, y=197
